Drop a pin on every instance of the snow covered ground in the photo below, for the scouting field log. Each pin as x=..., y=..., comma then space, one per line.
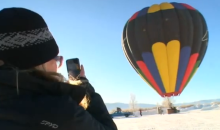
x=199, y=117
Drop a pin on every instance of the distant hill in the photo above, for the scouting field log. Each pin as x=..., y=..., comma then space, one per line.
x=200, y=102
x=111, y=106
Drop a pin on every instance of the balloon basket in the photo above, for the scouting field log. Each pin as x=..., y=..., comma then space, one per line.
x=171, y=111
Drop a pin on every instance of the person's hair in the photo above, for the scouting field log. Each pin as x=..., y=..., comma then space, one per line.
x=53, y=76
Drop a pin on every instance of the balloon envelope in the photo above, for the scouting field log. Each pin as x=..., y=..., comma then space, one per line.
x=166, y=44
x=130, y=58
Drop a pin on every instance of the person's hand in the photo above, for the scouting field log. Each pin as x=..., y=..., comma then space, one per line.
x=83, y=81
x=82, y=72
x=75, y=81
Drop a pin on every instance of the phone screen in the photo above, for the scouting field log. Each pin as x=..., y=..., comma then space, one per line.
x=73, y=67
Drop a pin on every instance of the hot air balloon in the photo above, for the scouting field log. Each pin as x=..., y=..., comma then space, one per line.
x=166, y=44
x=130, y=58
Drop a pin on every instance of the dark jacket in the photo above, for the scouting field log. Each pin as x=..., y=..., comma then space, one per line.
x=31, y=103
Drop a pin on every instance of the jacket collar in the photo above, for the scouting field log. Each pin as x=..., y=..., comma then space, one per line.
x=25, y=81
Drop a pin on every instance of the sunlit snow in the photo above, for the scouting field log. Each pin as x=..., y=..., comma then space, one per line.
x=198, y=117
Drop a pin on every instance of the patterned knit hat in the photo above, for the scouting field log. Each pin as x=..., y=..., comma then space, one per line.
x=25, y=40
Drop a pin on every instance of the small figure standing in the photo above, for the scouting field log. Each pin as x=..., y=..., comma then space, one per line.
x=140, y=112
x=161, y=111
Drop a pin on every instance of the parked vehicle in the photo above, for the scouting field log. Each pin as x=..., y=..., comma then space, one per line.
x=118, y=113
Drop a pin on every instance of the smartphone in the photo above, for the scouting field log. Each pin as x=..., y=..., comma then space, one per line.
x=73, y=67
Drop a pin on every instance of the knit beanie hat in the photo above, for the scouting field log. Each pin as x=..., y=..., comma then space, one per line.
x=25, y=40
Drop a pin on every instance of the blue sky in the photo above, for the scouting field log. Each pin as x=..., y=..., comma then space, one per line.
x=91, y=30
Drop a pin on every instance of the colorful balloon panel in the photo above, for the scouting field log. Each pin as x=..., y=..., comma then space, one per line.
x=166, y=45
x=130, y=58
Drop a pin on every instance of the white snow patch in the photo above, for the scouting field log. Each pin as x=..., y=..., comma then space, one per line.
x=198, y=117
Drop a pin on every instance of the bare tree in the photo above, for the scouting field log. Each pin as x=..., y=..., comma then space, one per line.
x=168, y=102
x=133, y=103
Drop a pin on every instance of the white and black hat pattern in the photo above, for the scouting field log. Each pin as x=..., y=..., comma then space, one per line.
x=24, y=38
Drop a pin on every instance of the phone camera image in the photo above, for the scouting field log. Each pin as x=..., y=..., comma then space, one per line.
x=73, y=67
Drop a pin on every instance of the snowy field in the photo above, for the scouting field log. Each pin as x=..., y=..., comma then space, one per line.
x=200, y=117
